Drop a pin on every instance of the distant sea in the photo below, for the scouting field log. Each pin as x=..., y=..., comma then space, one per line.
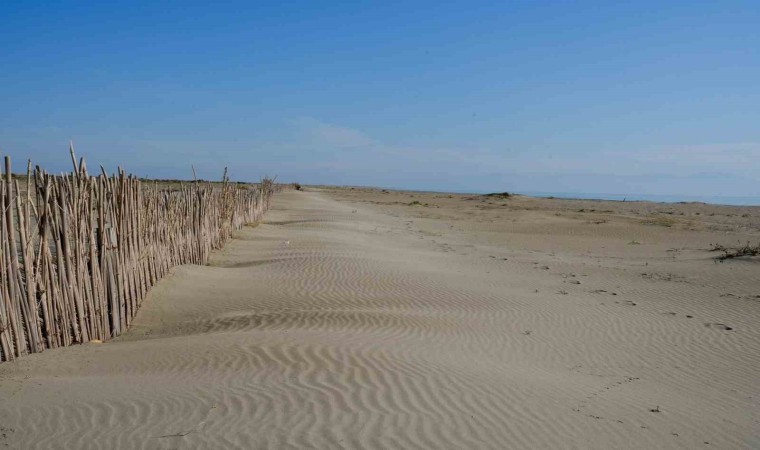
x=717, y=200
x=712, y=199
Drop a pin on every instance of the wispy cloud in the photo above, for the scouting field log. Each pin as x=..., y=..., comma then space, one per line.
x=677, y=160
x=324, y=133
x=319, y=135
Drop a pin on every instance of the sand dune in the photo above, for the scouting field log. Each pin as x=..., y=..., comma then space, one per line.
x=351, y=319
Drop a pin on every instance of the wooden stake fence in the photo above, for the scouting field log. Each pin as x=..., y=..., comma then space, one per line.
x=78, y=253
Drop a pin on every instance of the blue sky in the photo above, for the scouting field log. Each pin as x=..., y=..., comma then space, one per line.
x=594, y=97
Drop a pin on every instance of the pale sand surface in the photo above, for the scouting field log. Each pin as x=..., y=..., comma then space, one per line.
x=350, y=319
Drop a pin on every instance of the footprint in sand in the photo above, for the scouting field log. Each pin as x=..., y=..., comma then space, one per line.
x=627, y=303
x=602, y=291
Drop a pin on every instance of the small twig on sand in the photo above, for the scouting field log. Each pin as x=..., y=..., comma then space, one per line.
x=195, y=428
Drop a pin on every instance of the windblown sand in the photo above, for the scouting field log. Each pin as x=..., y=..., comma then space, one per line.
x=361, y=319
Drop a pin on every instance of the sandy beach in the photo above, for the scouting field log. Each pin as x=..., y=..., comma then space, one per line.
x=364, y=318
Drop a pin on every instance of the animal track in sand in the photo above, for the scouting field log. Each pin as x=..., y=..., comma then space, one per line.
x=584, y=404
x=664, y=277
x=674, y=314
x=4, y=432
x=602, y=291
x=627, y=303
x=743, y=297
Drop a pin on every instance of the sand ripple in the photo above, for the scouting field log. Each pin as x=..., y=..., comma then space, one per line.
x=329, y=328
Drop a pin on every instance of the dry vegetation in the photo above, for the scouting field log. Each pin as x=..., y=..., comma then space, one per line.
x=661, y=221
x=736, y=252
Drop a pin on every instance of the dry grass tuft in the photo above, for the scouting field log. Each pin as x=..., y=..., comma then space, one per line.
x=661, y=221
x=738, y=252
x=499, y=195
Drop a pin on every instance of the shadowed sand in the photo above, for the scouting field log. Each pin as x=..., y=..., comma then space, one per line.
x=352, y=319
